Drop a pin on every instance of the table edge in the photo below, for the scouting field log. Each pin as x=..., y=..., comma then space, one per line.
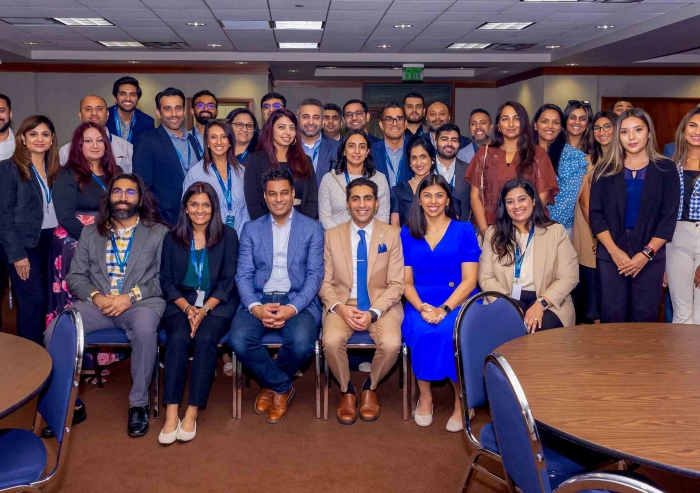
x=32, y=394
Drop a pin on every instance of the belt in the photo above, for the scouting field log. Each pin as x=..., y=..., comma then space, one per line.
x=273, y=293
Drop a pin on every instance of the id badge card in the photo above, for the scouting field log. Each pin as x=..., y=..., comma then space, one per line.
x=517, y=289
x=199, y=302
x=230, y=220
x=120, y=285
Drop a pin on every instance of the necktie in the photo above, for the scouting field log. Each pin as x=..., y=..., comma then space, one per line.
x=362, y=293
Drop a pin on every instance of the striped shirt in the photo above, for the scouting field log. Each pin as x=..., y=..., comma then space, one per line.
x=113, y=271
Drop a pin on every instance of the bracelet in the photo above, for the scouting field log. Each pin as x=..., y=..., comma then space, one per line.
x=185, y=310
x=206, y=309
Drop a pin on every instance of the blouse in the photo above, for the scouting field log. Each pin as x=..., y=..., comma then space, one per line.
x=332, y=199
x=191, y=280
x=402, y=200
x=572, y=167
x=634, y=183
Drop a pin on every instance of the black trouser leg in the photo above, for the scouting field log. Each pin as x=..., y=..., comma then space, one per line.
x=646, y=290
x=614, y=293
x=206, y=340
x=177, y=349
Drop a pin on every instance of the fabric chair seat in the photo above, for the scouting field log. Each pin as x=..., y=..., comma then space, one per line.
x=487, y=437
x=107, y=336
x=361, y=337
x=22, y=457
x=163, y=338
x=271, y=338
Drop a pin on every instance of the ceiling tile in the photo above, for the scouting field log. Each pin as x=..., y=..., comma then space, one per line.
x=237, y=4
x=592, y=8
x=479, y=17
x=349, y=15
x=242, y=15
x=48, y=30
x=316, y=5
x=534, y=7
x=628, y=18
x=650, y=8
x=410, y=17
x=139, y=23
x=289, y=36
x=142, y=14
x=419, y=6
x=102, y=33
x=360, y=5
x=175, y=4
x=340, y=48
x=83, y=45
x=521, y=17
x=114, y=4
x=352, y=26
x=56, y=12
x=372, y=48
x=185, y=14
x=252, y=34
x=144, y=34
x=554, y=26
x=300, y=15
x=457, y=29
x=53, y=3
x=578, y=18
x=480, y=6
x=484, y=37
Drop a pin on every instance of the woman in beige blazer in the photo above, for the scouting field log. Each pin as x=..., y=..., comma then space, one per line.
x=530, y=258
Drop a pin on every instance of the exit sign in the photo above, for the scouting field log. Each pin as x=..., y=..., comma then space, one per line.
x=412, y=73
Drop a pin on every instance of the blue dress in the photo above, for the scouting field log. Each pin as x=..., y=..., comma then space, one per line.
x=436, y=273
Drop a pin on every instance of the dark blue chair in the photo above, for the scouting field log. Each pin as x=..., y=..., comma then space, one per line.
x=23, y=455
x=479, y=329
x=530, y=465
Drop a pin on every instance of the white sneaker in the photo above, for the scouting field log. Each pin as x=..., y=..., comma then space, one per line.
x=423, y=420
x=365, y=367
x=169, y=438
x=186, y=436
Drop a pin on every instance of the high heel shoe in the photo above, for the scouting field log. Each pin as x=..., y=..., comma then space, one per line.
x=169, y=438
x=186, y=436
x=454, y=425
x=423, y=420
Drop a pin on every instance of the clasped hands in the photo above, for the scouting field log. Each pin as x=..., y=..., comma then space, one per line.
x=195, y=316
x=273, y=315
x=354, y=317
x=112, y=305
x=629, y=266
x=431, y=314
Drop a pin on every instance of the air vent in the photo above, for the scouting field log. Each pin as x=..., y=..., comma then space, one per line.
x=167, y=46
x=511, y=47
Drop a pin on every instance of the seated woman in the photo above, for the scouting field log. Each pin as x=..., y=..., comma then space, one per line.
x=354, y=160
x=197, y=276
x=441, y=257
x=421, y=159
x=530, y=258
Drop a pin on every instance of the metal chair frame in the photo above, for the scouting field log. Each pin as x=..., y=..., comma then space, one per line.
x=608, y=481
x=37, y=485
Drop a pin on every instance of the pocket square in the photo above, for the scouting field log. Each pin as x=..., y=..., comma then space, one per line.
x=382, y=248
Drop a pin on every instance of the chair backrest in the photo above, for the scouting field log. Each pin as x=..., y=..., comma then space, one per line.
x=611, y=482
x=516, y=432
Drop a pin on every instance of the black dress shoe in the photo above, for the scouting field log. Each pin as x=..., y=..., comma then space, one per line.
x=138, y=421
x=79, y=415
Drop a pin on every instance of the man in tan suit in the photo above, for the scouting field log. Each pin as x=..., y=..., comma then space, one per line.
x=363, y=249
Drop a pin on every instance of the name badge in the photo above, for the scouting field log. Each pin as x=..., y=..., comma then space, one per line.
x=517, y=289
x=230, y=220
x=199, y=302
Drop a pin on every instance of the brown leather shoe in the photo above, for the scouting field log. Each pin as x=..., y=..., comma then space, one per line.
x=369, y=406
x=279, y=405
x=262, y=403
x=347, y=410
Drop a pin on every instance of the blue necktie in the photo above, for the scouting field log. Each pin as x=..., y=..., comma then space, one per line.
x=362, y=293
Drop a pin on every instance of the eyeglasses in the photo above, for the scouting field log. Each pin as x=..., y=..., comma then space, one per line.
x=351, y=115
x=581, y=103
x=208, y=106
x=118, y=192
x=604, y=128
x=393, y=121
x=241, y=125
x=268, y=106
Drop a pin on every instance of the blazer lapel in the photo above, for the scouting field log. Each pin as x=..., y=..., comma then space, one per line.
x=540, y=247
x=100, y=251
x=621, y=195
x=651, y=183
x=377, y=238
x=170, y=150
x=141, y=234
x=346, y=245
x=294, y=240
x=195, y=146
x=266, y=235
x=214, y=256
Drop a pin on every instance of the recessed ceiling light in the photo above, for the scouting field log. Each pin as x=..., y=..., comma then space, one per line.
x=245, y=24
x=552, y=47
x=297, y=46
x=298, y=25
x=508, y=71
x=196, y=24
x=293, y=71
x=396, y=68
x=605, y=26
x=28, y=21
x=505, y=26
x=330, y=68
x=468, y=46
x=572, y=64
x=403, y=26
x=30, y=43
x=132, y=61
x=383, y=46
x=240, y=63
x=122, y=44
x=76, y=21
x=214, y=45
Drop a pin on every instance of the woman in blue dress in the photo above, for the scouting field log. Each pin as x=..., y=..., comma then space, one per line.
x=441, y=258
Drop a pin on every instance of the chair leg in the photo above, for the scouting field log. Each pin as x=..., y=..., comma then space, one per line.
x=404, y=380
x=326, y=388
x=96, y=365
x=412, y=382
x=156, y=384
x=318, y=379
x=234, y=386
x=239, y=388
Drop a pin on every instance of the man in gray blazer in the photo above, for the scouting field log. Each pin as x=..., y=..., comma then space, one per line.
x=453, y=169
x=115, y=276
x=321, y=149
x=280, y=271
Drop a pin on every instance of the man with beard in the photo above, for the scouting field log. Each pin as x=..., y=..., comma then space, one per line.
x=414, y=108
x=163, y=155
x=7, y=138
x=452, y=168
x=331, y=121
x=322, y=150
x=125, y=120
x=205, y=107
x=436, y=116
x=94, y=109
x=480, y=128
x=114, y=276
x=356, y=116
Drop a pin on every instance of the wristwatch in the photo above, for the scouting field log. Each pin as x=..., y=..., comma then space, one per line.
x=206, y=309
x=543, y=302
x=648, y=252
x=132, y=298
x=374, y=315
x=446, y=309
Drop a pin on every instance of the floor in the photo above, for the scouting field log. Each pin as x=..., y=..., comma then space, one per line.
x=301, y=454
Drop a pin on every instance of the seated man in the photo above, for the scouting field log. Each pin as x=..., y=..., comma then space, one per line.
x=115, y=275
x=280, y=269
x=362, y=291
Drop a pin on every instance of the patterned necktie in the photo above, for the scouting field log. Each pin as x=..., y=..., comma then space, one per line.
x=362, y=293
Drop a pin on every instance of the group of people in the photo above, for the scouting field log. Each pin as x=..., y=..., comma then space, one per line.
x=239, y=229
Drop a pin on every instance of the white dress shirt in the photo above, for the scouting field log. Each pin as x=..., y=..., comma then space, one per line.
x=527, y=270
x=279, y=277
x=7, y=148
x=122, y=149
x=447, y=173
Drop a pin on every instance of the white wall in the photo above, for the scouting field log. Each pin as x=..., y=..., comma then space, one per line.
x=467, y=99
x=337, y=95
x=559, y=90
x=529, y=93
x=20, y=87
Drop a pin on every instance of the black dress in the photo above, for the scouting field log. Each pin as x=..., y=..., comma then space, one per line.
x=401, y=201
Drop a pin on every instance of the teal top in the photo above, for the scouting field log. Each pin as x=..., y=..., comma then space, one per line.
x=190, y=281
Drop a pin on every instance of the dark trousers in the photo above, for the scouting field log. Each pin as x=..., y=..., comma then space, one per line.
x=177, y=351
x=31, y=294
x=549, y=319
x=631, y=299
x=299, y=335
x=586, y=296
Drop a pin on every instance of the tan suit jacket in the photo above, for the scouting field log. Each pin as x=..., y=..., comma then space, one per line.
x=555, y=265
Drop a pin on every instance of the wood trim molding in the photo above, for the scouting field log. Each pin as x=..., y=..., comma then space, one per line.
x=140, y=68
x=600, y=71
x=317, y=83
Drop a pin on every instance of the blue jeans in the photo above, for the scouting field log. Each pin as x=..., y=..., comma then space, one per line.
x=299, y=336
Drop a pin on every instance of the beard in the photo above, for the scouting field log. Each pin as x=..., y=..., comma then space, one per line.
x=414, y=120
x=483, y=141
x=4, y=126
x=203, y=120
x=443, y=153
x=433, y=127
x=309, y=133
x=122, y=214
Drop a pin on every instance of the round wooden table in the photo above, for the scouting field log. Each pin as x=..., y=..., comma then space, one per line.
x=24, y=369
x=629, y=390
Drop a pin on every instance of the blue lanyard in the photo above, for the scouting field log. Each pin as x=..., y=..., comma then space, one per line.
x=520, y=256
x=118, y=127
x=242, y=157
x=228, y=190
x=400, y=167
x=347, y=177
x=314, y=159
x=99, y=181
x=121, y=261
x=198, y=267
x=452, y=180
x=199, y=146
x=47, y=191
x=185, y=166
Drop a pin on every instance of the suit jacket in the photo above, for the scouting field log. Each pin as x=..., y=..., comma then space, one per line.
x=373, y=139
x=143, y=124
x=327, y=157
x=223, y=261
x=304, y=262
x=555, y=270
x=21, y=211
x=380, y=162
x=462, y=190
x=669, y=149
x=157, y=162
x=88, y=270
x=658, y=211
x=385, y=272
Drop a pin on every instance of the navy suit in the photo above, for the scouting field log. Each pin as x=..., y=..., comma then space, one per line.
x=327, y=157
x=669, y=149
x=372, y=139
x=142, y=124
x=156, y=161
x=405, y=173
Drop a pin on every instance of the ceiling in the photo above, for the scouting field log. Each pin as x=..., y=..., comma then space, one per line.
x=354, y=30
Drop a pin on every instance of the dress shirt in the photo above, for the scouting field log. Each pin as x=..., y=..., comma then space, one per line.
x=309, y=151
x=113, y=271
x=124, y=126
x=122, y=150
x=181, y=144
x=50, y=220
x=279, y=277
x=395, y=158
x=7, y=148
x=447, y=173
x=199, y=136
x=527, y=269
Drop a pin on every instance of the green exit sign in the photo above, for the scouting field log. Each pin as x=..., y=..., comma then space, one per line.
x=412, y=74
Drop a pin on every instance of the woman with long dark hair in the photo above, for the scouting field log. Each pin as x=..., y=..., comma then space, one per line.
x=441, y=256
x=579, y=122
x=280, y=147
x=511, y=154
x=528, y=257
x=354, y=160
x=633, y=211
x=569, y=164
x=197, y=276
x=245, y=128
x=683, y=260
x=27, y=220
x=421, y=157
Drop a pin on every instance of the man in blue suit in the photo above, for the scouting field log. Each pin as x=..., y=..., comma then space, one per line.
x=356, y=116
x=125, y=120
x=280, y=271
x=389, y=155
x=322, y=150
x=163, y=155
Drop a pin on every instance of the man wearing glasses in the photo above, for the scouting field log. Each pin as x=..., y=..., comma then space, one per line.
x=389, y=155
x=356, y=116
x=270, y=102
x=205, y=107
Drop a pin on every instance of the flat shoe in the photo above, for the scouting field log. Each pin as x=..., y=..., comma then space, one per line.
x=186, y=436
x=454, y=425
x=169, y=438
x=423, y=420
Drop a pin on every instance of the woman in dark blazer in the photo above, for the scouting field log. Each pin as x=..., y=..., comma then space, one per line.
x=633, y=210
x=197, y=276
x=280, y=147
